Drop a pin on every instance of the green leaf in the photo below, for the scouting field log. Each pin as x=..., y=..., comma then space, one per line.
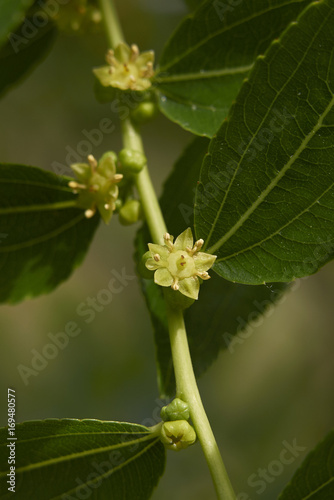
x=223, y=308
x=265, y=203
x=19, y=55
x=68, y=459
x=43, y=236
x=11, y=15
x=209, y=55
x=314, y=480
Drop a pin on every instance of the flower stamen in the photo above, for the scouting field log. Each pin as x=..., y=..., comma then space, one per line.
x=89, y=213
x=92, y=161
x=175, y=285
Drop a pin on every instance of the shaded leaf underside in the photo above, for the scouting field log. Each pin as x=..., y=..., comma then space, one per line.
x=65, y=459
x=43, y=237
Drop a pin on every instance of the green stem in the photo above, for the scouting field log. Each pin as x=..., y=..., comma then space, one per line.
x=185, y=379
x=112, y=25
x=187, y=390
x=150, y=204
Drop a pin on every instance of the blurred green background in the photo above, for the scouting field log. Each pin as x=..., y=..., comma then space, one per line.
x=276, y=386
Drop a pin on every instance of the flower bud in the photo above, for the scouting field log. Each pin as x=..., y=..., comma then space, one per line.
x=144, y=112
x=177, y=435
x=130, y=212
x=131, y=161
x=176, y=410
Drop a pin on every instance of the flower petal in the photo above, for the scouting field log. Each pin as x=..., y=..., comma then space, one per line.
x=203, y=261
x=189, y=287
x=184, y=240
x=106, y=166
x=123, y=52
x=82, y=171
x=159, y=249
x=151, y=264
x=163, y=277
x=106, y=213
x=144, y=58
x=103, y=75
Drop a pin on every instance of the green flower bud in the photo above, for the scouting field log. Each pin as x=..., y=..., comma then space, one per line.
x=177, y=435
x=144, y=112
x=176, y=410
x=96, y=185
x=132, y=161
x=130, y=212
x=127, y=69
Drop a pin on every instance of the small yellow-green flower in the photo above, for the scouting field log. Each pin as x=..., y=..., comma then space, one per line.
x=127, y=69
x=97, y=185
x=180, y=264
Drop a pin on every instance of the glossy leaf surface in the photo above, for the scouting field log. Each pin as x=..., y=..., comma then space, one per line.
x=208, y=56
x=265, y=203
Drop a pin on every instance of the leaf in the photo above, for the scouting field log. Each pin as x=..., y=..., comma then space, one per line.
x=68, y=459
x=265, y=203
x=44, y=237
x=11, y=15
x=209, y=55
x=19, y=55
x=314, y=480
x=223, y=308
x=226, y=309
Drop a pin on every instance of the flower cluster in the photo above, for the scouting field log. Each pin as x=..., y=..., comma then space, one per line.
x=96, y=185
x=180, y=264
x=127, y=69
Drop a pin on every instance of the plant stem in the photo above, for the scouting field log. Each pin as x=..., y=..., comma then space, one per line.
x=150, y=204
x=185, y=379
x=187, y=390
x=112, y=25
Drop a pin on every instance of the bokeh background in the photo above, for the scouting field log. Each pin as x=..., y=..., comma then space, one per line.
x=276, y=386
